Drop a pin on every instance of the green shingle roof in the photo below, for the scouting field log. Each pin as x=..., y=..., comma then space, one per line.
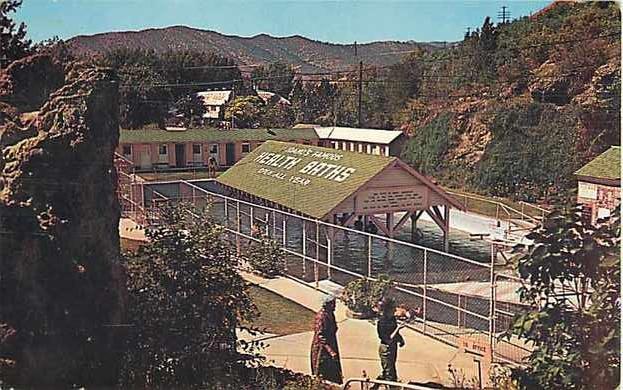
x=605, y=166
x=265, y=173
x=213, y=135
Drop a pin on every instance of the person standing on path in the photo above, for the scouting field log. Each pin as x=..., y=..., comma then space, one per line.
x=325, y=355
x=387, y=330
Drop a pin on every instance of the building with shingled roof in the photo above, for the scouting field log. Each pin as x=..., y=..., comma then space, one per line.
x=599, y=185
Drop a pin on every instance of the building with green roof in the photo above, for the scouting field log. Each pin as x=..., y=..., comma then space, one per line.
x=599, y=184
x=150, y=148
x=338, y=186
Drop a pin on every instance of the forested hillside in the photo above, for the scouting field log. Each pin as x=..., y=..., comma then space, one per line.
x=512, y=110
x=516, y=108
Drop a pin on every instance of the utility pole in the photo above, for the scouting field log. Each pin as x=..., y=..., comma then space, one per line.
x=360, y=89
x=504, y=15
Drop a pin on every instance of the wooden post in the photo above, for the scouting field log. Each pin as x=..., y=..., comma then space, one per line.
x=389, y=219
x=446, y=233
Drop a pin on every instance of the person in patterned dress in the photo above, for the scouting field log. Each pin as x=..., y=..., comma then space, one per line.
x=325, y=355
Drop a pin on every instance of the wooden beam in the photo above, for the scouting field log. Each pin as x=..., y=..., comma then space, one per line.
x=403, y=220
x=379, y=224
x=389, y=223
x=437, y=220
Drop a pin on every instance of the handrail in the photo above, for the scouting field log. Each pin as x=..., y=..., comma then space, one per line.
x=506, y=208
x=343, y=228
x=368, y=382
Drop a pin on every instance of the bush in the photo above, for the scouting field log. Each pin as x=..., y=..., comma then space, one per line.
x=426, y=149
x=185, y=302
x=362, y=295
x=531, y=153
x=266, y=257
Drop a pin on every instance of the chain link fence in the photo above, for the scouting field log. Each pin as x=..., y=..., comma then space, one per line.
x=460, y=298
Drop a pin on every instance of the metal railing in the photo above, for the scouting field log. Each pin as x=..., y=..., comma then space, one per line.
x=502, y=211
x=457, y=295
x=367, y=383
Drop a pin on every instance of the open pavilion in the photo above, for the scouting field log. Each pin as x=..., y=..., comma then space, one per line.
x=339, y=187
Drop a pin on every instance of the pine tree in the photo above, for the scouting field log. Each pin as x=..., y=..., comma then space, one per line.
x=13, y=42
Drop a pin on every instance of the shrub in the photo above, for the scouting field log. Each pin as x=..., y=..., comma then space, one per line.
x=425, y=150
x=266, y=257
x=362, y=295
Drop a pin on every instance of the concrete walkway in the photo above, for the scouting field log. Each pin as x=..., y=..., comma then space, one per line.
x=423, y=359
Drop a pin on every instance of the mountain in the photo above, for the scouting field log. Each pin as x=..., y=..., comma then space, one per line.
x=310, y=55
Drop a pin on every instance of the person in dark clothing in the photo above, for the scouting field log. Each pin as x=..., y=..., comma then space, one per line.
x=371, y=228
x=359, y=223
x=325, y=355
x=387, y=329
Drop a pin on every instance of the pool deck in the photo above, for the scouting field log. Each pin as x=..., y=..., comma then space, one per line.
x=423, y=359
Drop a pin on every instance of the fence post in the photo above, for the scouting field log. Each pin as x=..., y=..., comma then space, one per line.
x=274, y=225
x=317, y=253
x=304, y=246
x=425, y=287
x=329, y=256
x=252, y=218
x=492, y=300
x=369, y=256
x=458, y=312
x=284, y=242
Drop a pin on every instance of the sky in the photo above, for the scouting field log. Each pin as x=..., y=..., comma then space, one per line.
x=341, y=21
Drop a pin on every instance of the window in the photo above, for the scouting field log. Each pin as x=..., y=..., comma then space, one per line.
x=213, y=148
x=197, y=158
x=127, y=150
x=163, y=156
x=246, y=148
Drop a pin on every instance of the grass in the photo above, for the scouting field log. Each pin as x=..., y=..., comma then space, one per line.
x=279, y=315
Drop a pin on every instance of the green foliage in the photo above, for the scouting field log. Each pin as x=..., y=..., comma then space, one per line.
x=246, y=111
x=426, y=149
x=13, y=42
x=265, y=257
x=576, y=334
x=314, y=102
x=186, y=300
x=276, y=77
x=144, y=75
x=191, y=107
x=141, y=100
x=531, y=153
x=362, y=295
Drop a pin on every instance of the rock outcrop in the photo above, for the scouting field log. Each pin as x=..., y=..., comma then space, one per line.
x=59, y=242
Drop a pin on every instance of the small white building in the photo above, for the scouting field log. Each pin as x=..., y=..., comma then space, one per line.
x=214, y=102
x=370, y=141
x=267, y=96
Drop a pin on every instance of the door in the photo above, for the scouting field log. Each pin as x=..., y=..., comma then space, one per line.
x=230, y=154
x=180, y=155
x=145, y=159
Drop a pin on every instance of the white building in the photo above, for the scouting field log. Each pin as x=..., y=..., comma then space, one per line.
x=370, y=141
x=215, y=102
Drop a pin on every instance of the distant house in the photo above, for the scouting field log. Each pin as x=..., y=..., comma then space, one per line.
x=152, y=149
x=599, y=184
x=370, y=141
x=214, y=102
x=267, y=96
